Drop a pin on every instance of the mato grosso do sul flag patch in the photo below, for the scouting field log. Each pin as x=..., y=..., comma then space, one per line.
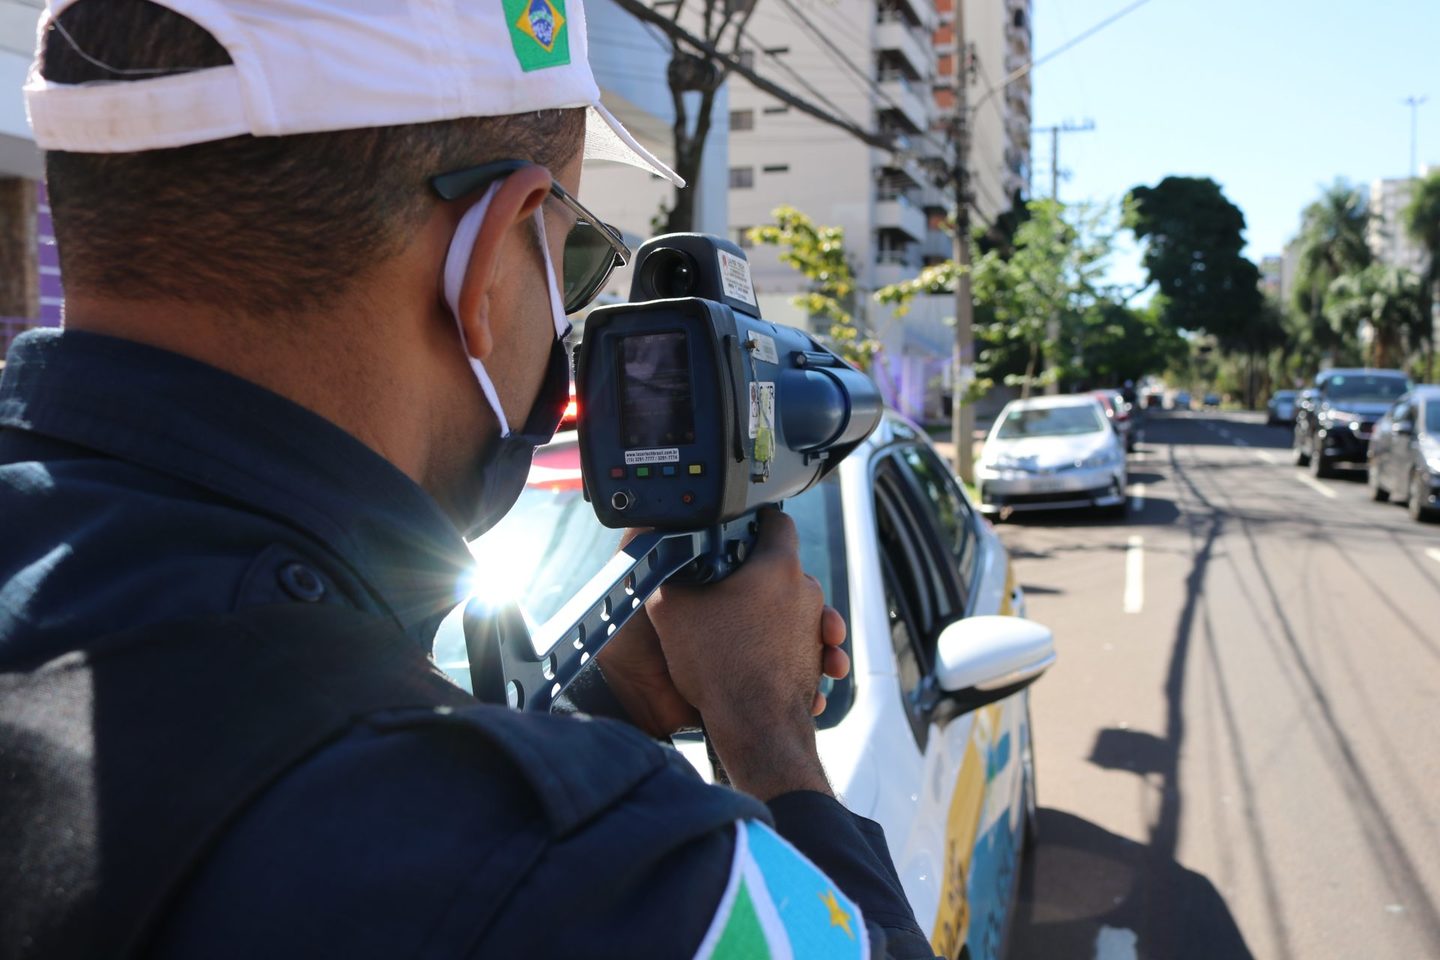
x=537, y=32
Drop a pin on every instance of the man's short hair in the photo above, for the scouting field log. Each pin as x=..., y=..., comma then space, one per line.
x=256, y=225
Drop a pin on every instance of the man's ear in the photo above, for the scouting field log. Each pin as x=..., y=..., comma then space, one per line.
x=506, y=227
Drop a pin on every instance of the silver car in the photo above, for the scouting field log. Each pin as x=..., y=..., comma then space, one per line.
x=1050, y=453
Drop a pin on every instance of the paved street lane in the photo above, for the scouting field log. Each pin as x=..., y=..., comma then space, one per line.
x=1239, y=749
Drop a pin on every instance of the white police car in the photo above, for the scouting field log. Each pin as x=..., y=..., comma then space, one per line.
x=930, y=735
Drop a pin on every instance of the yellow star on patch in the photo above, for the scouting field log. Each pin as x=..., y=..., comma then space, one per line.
x=838, y=916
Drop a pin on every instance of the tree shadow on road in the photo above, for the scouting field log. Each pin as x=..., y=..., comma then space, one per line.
x=1082, y=879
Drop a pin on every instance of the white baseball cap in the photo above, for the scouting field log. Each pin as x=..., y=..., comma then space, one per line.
x=308, y=66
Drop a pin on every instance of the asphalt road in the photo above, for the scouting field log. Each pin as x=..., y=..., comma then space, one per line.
x=1239, y=750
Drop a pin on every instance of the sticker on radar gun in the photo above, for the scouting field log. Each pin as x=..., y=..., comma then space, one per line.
x=735, y=278
x=762, y=420
x=658, y=455
x=764, y=348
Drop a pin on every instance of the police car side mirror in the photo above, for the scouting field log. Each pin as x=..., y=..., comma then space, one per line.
x=980, y=660
x=1404, y=427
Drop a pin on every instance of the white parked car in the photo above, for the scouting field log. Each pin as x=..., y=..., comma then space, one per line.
x=930, y=734
x=1049, y=453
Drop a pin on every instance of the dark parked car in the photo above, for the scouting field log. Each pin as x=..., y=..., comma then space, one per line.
x=1281, y=408
x=1335, y=425
x=1211, y=401
x=1405, y=453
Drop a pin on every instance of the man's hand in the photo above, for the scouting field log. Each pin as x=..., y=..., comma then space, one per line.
x=748, y=653
x=636, y=671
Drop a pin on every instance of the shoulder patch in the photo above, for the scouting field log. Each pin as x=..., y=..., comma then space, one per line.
x=777, y=905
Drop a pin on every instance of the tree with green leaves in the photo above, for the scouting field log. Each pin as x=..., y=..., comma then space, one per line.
x=1389, y=302
x=1193, y=236
x=1333, y=241
x=818, y=254
x=1422, y=222
x=1052, y=271
x=1119, y=342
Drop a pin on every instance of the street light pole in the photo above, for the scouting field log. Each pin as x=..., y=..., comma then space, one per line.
x=962, y=420
x=1413, y=103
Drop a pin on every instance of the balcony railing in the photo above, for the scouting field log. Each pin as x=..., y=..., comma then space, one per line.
x=900, y=95
x=905, y=40
x=902, y=215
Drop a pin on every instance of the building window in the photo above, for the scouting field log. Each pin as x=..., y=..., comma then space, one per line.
x=777, y=168
x=742, y=237
x=772, y=111
x=747, y=59
x=1019, y=20
x=776, y=51
x=742, y=119
x=742, y=178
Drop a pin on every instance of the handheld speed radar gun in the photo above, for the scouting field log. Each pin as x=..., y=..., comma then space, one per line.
x=696, y=413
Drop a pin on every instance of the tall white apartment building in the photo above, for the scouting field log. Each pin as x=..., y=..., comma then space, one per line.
x=887, y=65
x=1388, y=238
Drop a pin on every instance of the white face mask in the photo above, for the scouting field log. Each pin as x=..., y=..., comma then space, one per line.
x=507, y=466
x=456, y=263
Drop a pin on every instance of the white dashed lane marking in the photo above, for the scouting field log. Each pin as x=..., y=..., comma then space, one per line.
x=1315, y=485
x=1135, y=575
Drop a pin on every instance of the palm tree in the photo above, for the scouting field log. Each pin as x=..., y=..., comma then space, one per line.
x=1332, y=243
x=1422, y=220
x=1389, y=300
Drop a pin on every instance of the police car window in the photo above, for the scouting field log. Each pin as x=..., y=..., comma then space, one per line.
x=903, y=591
x=901, y=534
x=947, y=508
x=550, y=544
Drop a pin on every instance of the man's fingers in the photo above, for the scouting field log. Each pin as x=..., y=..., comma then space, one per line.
x=818, y=706
x=835, y=663
x=832, y=627
x=777, y=533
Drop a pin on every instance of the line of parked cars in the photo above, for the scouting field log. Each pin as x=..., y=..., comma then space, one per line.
x=1375, y=419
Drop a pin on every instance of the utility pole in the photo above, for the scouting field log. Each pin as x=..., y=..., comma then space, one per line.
x=1052, y=328
x=1413, y=103
x=962, y=431
x=1083, y=126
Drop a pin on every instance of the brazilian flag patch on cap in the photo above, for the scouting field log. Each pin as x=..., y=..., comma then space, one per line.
x=537, y=32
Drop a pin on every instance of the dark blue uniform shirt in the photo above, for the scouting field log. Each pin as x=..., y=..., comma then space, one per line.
x=138, y=486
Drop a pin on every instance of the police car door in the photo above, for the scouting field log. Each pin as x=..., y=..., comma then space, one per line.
x=956, y=855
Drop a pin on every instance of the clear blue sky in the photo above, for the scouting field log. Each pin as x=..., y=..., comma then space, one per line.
x=1270, y=98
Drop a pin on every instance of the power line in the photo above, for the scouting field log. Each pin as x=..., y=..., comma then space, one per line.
x=864, y=75
x=799, y=78
x=1073, y=41
x=645, y=14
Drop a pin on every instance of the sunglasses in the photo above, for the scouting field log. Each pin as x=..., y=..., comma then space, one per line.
x=592, y=248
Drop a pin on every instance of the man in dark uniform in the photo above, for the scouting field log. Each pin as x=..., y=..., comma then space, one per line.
x=318, y=256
